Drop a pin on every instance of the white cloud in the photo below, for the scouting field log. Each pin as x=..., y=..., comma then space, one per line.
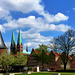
x=36, y=37
x=8, y=44
x=34, y=45
x=33, y=40
x=4, y=14
x=55, y=18
x=35, y=24
x=2, y=29
x=73, y=8
x=24, y=6
x=60, y=27
x=27, y=6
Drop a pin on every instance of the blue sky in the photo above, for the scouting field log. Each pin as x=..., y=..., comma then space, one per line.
x=39, y=20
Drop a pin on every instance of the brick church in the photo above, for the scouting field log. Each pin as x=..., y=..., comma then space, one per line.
x=16, y=48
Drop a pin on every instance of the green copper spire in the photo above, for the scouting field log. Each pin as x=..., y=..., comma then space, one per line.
x=13, y=39
x=19, y=38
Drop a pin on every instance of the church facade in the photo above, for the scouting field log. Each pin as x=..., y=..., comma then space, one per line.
x=16, y=48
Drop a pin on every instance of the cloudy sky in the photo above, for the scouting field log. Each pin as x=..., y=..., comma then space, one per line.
x=39, y=20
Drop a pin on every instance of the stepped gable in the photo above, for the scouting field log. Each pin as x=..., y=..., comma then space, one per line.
x=2, y=44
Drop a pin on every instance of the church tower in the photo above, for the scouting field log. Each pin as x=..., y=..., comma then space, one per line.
x=19, y=43
x=13, y=44
x=3, y=47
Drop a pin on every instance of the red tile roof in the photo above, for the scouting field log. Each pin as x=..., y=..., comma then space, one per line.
x=70, y=57
x=36, y=51
x=56, y=54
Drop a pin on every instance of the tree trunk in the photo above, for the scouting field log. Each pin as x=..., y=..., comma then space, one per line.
x=42, y=60
x=65, y=66
x=20, y=68
x=7, y=69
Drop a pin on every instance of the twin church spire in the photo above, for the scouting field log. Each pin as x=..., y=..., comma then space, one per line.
x=19, y=38
x=13, y=39
x=19, y=47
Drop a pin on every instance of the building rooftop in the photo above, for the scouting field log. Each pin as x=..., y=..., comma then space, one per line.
x=2, y=44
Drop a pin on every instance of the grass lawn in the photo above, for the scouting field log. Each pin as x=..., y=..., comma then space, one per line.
x=41, y=73
x=50, y=73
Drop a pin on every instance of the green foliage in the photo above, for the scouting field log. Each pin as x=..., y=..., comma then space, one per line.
x=51, y=57
x=6, y=59
x=21, y=59
x=42, y=47
x=29, y=69
x=37, y=56
x=41, y=56
x=44, y=57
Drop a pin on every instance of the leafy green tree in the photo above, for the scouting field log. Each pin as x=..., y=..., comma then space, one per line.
x=20, y=60
x=44, y=58
x=37, y=56
x=42, y=55
x=6, y=60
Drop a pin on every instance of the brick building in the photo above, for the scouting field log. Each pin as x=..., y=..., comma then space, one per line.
x=32, y=62
x=56, y=61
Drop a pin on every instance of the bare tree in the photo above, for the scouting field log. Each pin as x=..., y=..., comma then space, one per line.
x=53, y=45
x=66, y=42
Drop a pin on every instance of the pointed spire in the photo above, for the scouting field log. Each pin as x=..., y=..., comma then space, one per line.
x=19, y=38
x=2, y=44
x=13, y=39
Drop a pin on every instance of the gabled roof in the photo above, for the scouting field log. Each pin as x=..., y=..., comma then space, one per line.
x=13, y=39
x=36, y=51
x=70, y=57
x=39, y=51
x=56, y=54
x=19, y=38
x=2, y=44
